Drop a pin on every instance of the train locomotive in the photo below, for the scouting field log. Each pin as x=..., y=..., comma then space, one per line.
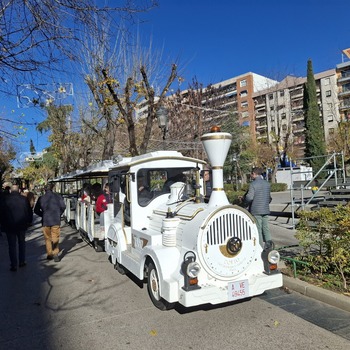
x=188, y=248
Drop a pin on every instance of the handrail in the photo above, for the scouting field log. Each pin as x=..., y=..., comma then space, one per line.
x=331, y=173
x=295, y=262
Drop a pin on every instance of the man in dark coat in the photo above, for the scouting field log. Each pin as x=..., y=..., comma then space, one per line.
x=258, y=198
x=50, y=207
x=16, y=216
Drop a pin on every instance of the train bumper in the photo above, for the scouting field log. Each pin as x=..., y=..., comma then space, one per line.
x=242, y=289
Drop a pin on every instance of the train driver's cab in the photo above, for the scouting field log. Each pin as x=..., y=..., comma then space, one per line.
x=138, y=193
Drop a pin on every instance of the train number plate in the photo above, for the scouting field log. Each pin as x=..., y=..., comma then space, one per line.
x=238, y=290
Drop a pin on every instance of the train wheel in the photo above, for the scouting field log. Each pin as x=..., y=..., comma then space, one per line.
x=153, y=289
x=97, y=246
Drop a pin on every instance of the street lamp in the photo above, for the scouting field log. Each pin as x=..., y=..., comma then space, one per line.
x=234, y=162
x=162, y=118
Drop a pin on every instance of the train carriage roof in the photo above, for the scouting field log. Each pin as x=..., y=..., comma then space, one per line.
x=153, y=157
x=101, y=169
x=92, y=171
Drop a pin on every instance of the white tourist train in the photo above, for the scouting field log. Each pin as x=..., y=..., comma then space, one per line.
x=163, y=229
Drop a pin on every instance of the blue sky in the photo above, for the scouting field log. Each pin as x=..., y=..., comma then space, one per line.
x=217, y=40
x=225, y=38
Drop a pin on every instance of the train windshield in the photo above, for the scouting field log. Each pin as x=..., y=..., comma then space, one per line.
x=152, y=183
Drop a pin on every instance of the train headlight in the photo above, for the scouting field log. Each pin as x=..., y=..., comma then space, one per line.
x=193, y=269
x=190, y=269
x=273, y=257
x=270, y=257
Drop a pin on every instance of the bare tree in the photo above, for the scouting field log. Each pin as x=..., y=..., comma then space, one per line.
x=194, y=111
x=33, y=26
x=36, y=34
x=126, y=104
x=100, y=53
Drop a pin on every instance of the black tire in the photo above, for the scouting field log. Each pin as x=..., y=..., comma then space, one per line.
x=119, y=268
x=153, y=289
x=98, y=247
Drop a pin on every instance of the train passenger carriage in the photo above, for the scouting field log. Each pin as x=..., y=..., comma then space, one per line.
x=82, y=213
x=189, y=249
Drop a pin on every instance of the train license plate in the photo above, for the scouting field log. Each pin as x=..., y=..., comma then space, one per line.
x=238, y=290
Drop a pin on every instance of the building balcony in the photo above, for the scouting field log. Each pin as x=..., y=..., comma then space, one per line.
x=344, y=79
x=260, y=115
x=344, y=106
x=297, y=117
x=230, y=94
x=230, y=103
x=298, y=129
x=297, y=107
x=296, y=95
x=261, y=127
x=259, y=104
x=344, y=93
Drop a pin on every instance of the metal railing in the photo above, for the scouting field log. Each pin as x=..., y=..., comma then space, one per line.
x=334, y=172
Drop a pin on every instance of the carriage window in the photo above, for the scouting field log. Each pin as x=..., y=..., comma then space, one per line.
x=152, y=183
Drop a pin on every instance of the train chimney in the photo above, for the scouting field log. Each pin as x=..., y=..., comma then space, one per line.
x=216, y=145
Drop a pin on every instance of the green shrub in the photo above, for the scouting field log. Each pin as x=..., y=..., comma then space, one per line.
x=233, y=196
x=325, y=236
x=278, y=187
x=275, y=187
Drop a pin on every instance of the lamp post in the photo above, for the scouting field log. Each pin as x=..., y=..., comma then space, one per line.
x=234, y=162
x=162, y=118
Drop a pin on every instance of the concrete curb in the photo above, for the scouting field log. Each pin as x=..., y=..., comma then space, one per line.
x=334, y=299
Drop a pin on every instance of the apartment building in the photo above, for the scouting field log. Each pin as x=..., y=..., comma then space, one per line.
x=279, y=110
x=236, y=95
x=274, y=110
x=343, y=84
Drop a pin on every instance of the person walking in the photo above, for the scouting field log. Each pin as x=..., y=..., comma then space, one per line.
x=16, y=216
x=258, y=199
x=50, y=207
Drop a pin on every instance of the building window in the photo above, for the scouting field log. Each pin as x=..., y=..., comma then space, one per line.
x=327, y=81
x=245, y=114
x=243, y=93
x=330, y=118
x=283, y=116
x=270, y=96
x=328, y=93
x=281, y=93
x=243, y=83
x=272, y=108
x=244, y=104
x=331, y=131
x=284, y=127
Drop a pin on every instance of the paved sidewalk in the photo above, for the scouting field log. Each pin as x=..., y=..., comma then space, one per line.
x=70, y=239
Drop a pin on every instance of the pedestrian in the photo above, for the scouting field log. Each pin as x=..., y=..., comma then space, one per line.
x=258, y=199
x=16, y=216
x=50, y=207
x=30, y=196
